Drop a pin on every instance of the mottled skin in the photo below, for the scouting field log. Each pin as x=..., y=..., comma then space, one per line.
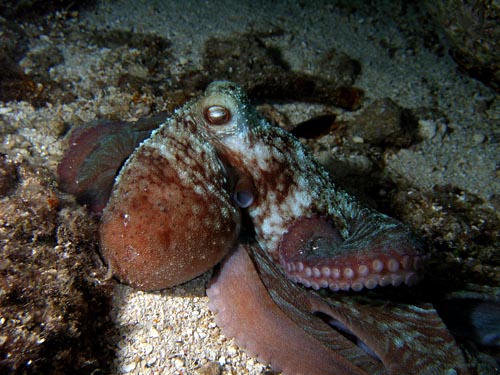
x=97, y=151
x=175, y=211
x=293, y=195
x=170, y=217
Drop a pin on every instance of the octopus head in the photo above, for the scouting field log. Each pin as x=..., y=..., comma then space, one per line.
x=226, y=111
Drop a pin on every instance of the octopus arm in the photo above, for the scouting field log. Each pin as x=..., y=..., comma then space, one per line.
x=276, y=324
x=97, y=150
x=378, y=251
x=407, y=338
x=299, y=332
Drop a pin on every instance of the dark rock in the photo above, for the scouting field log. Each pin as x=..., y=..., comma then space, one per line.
x=384, y=123
x=261, y=69
x=314, y=127
x=473, y=29
x=8, y=174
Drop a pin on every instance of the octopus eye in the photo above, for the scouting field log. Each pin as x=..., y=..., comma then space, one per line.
x=217, y=115
x=243, y=198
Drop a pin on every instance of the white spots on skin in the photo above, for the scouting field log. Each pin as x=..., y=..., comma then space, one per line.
x=199, y=189
x=277, y=212
x=398, y=343
x=299, y=201
x=195, y=209
x=191, y=155
x=263, y=157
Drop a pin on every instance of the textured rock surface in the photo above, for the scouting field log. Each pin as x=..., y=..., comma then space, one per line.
x=54, y=301
x=473, y=29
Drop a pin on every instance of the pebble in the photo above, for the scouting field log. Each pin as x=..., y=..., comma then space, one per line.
x=385, y=123
x=147, y=348
x=150, y=360
x=358, y=139
x=427, y=128
x=209, y=368
x=128, y=367
x=178, y=363
x=154, y=333
x=478, y=138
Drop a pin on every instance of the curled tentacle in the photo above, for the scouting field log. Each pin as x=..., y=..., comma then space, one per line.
x=380, y=251
x=291, y=339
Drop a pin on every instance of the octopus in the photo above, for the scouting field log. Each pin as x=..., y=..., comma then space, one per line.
x=216, y=183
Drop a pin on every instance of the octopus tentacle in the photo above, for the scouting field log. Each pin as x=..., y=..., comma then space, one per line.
x=290, y=339
x=96, y=153
x=291, y=328
x=378, y=252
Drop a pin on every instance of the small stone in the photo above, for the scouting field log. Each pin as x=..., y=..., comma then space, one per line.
x=147, y=348
x=178, y=363
x=478, y=138
x=385, y=123
x=154, y=333
x=150, y=360
x=427, y=128
x=357, y=139
x=128, y=367
x=209, y=368
x=232, y=351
